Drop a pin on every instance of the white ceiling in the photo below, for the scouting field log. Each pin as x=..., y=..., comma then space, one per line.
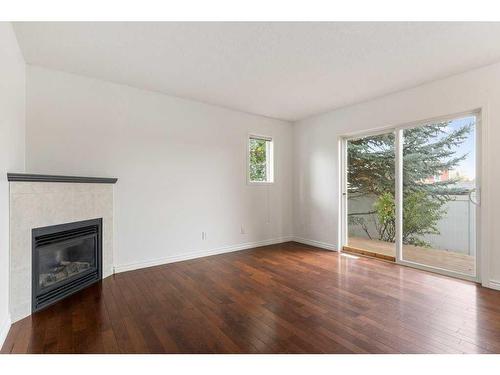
x=282, y=70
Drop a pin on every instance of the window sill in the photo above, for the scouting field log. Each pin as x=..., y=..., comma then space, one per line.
x=260, y=183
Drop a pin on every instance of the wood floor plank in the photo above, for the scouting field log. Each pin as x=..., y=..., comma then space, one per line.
x=286, y=298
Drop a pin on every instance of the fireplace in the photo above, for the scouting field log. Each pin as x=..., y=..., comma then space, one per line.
x=66, y=258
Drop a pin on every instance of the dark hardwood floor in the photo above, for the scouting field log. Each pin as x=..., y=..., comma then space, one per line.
x=287, y=298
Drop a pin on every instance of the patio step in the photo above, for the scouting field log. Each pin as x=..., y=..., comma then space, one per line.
x=355, y=250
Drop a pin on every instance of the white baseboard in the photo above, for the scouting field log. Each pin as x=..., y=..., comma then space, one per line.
x=4, y=330
x=199, y=254
x=323, y=245
x=493, y=284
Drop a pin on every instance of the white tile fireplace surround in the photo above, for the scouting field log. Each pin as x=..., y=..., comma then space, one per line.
x=38, y=201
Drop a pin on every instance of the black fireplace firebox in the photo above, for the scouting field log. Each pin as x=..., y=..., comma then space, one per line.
x=66, y=259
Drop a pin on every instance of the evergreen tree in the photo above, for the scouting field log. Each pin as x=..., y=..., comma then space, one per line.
x=427, y=152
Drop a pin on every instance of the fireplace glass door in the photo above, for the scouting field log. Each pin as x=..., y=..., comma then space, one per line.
x=65, y=260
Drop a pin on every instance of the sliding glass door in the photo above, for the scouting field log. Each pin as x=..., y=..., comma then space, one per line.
x=370, y=195
x=411, y=195
x=439, y=195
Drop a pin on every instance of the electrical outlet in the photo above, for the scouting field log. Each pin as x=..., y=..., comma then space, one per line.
x=242, y=229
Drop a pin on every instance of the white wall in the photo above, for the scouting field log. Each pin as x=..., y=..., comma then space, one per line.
x=181, y=164
x=316, y=185
x=12, y=116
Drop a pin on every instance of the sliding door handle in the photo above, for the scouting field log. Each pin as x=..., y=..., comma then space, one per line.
x=476, y=203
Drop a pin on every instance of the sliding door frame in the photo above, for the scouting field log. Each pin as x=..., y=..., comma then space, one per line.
x=398, y=147
x=343, y=219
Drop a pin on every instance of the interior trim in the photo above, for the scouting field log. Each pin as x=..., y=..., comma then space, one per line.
x=199, y=254
x=322, y=245
x=25, y=177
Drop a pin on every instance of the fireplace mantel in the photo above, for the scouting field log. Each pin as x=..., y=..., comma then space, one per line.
x=26, y=177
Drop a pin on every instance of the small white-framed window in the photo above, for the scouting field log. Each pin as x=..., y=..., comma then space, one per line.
x=260, y=161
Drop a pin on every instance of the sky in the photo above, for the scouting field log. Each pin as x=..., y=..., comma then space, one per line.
x=467, y=167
